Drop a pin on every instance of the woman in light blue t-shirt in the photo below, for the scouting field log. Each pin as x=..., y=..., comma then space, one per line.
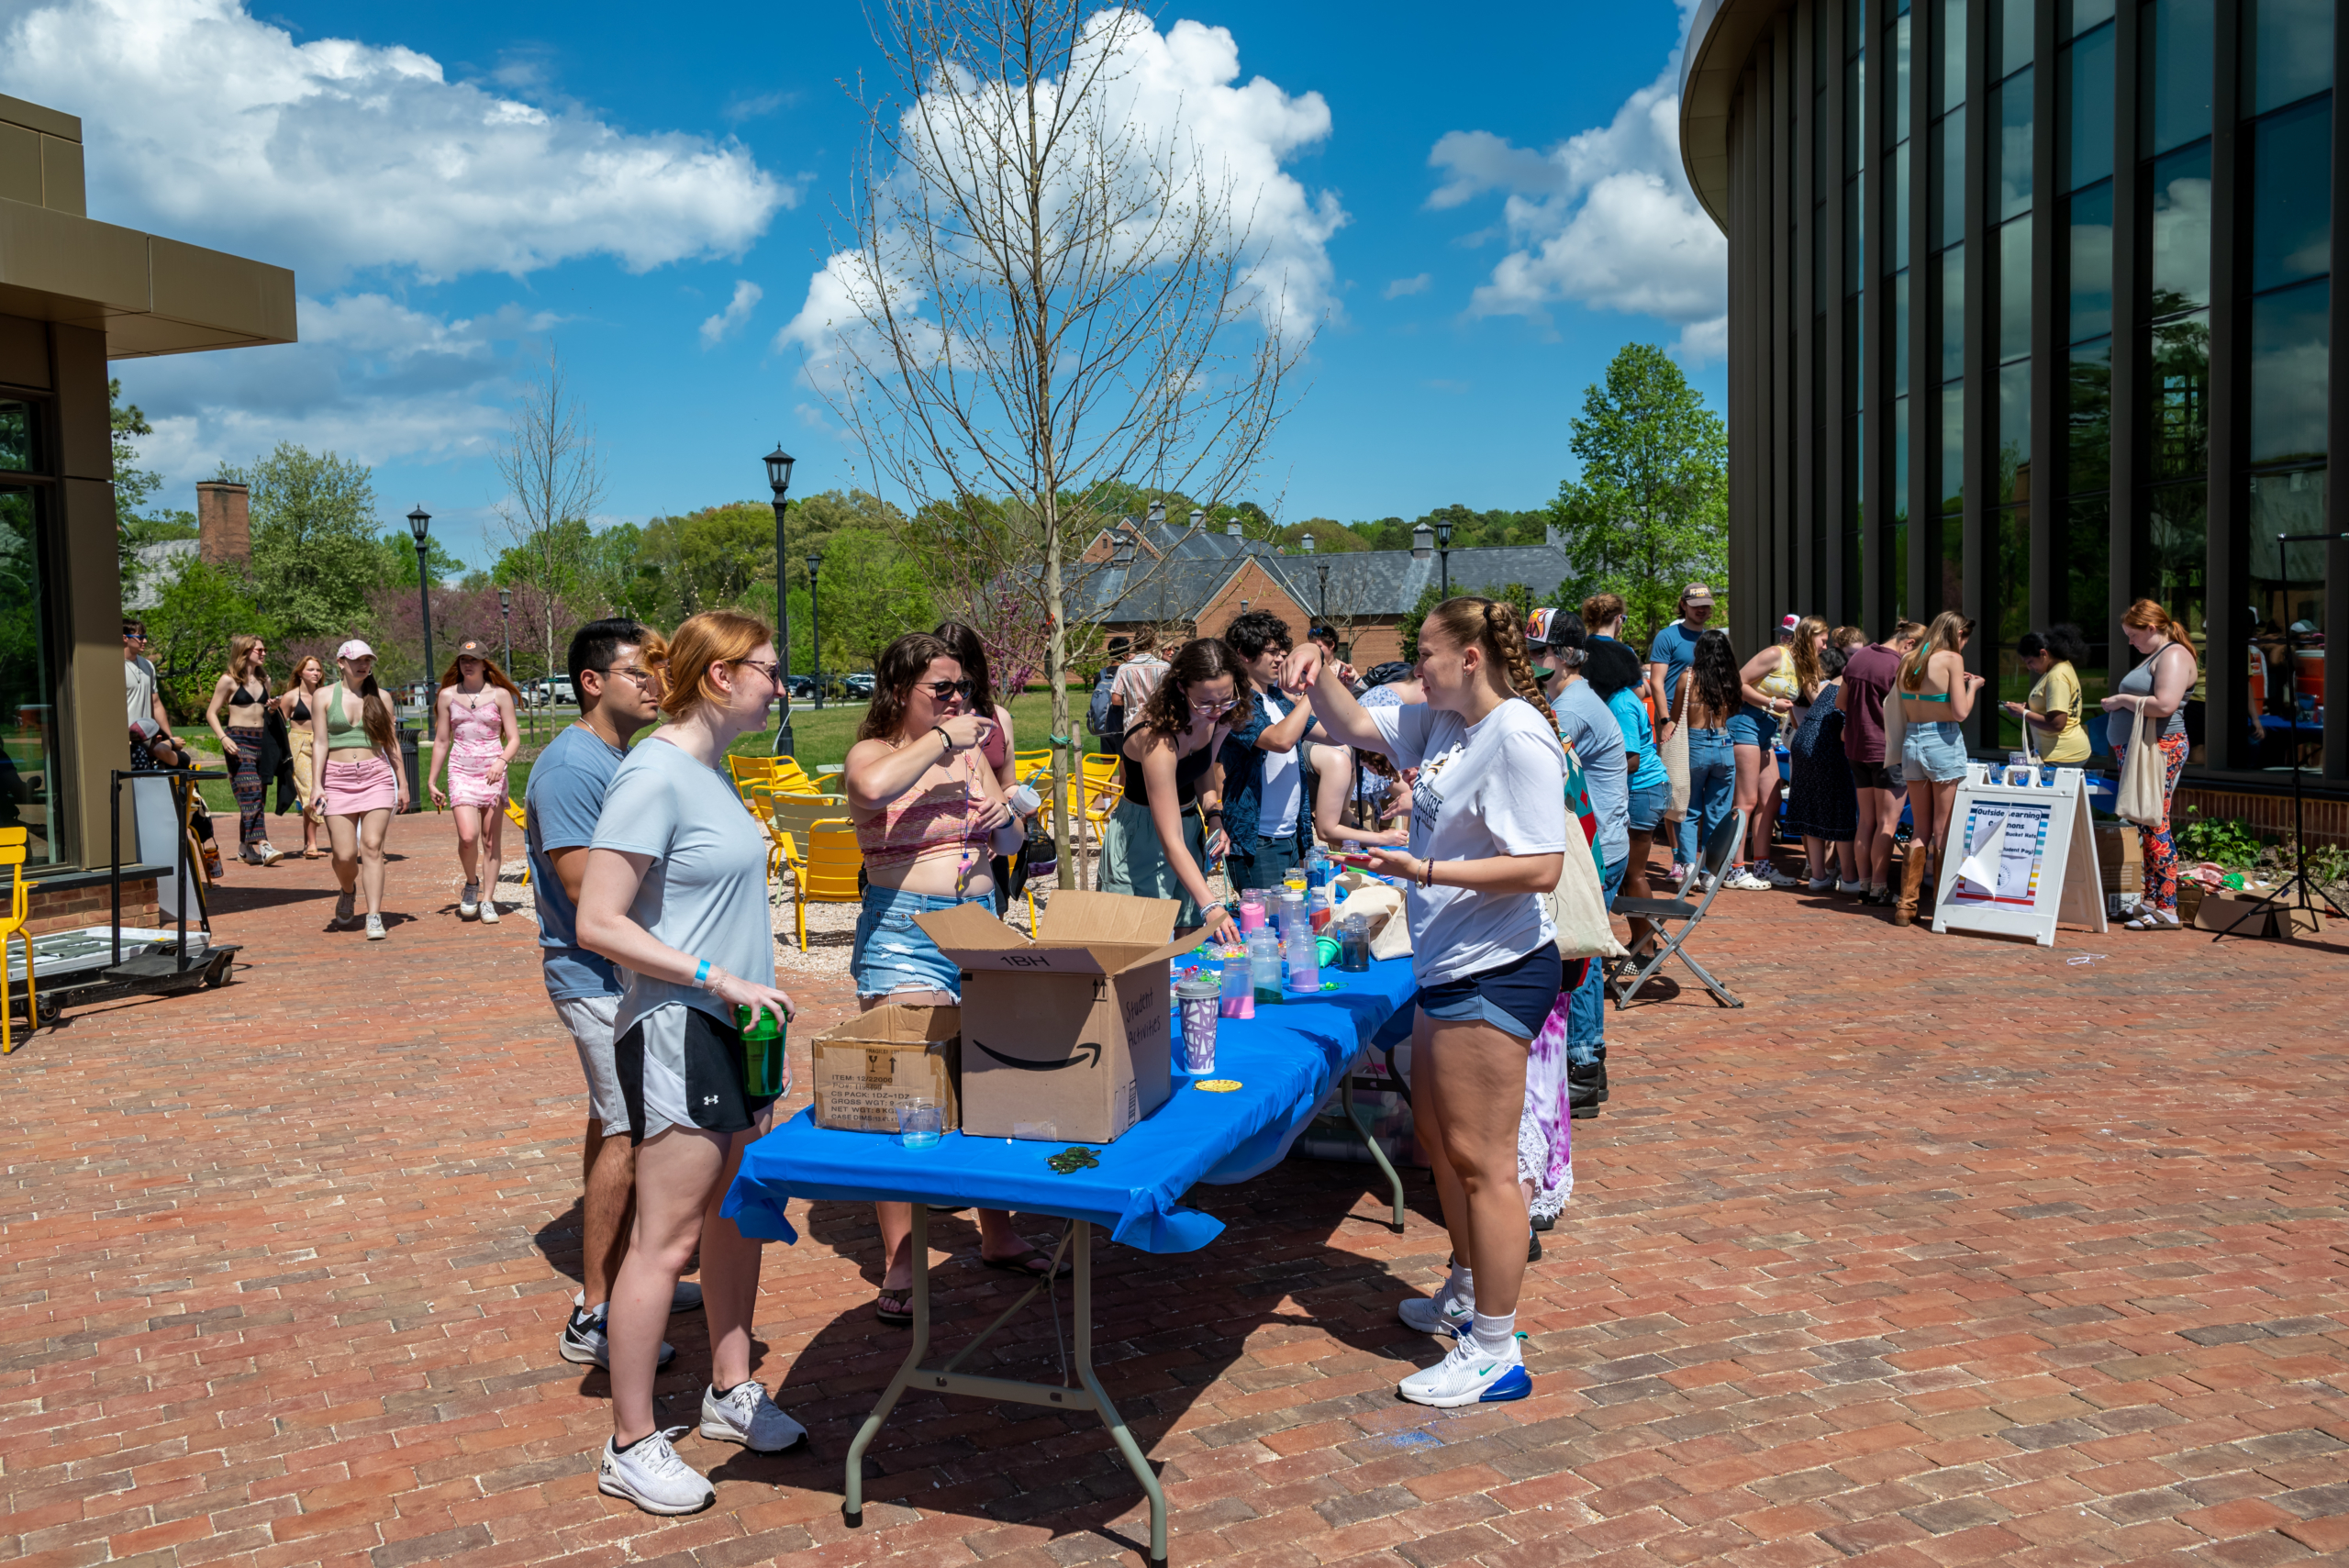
x=675, y=894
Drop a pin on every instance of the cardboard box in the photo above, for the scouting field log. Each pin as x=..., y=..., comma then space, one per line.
x=1064, y=1038
x=2227, y=910
x=2120, y=858
x=868, y=1066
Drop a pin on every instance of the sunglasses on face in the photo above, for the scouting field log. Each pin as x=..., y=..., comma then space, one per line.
x=763, y=669
x=943, y=690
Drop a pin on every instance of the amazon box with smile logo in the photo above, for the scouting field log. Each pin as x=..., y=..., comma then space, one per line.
x=1064, y=1038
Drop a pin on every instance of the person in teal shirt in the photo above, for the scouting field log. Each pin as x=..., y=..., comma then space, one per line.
x=1616, y=675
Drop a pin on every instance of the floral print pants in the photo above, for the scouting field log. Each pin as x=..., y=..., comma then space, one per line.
x=2161, y=850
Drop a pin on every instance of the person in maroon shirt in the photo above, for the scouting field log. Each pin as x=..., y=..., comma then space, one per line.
x=1868, y=676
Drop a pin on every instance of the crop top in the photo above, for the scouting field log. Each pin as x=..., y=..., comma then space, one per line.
x=346, y=734
x=930, y=822
x=1187, y=771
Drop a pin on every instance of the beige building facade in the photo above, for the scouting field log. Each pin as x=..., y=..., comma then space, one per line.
x=76, y=294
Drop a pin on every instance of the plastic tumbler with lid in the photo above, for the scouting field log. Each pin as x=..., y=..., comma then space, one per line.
x=766, y=1063
x=1197, y=1000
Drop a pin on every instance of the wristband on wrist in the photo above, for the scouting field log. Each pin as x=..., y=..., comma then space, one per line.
x=701, y=974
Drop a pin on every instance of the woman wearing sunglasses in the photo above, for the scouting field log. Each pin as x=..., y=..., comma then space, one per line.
x=1169, y=823
x=925, y=804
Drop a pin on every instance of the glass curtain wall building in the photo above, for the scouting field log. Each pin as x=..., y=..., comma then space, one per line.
x=2031, y=315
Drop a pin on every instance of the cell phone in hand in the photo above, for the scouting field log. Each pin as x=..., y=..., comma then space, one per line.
x=1354, y=857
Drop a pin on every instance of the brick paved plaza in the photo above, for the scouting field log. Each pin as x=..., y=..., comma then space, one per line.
x=1942, y=1250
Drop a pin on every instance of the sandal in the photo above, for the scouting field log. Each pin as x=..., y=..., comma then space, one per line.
x=2151, y=919
x=901, y=1316
x=1030, y=1264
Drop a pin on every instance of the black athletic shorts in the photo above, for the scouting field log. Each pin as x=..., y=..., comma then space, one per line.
x=680, y=1067
x=1870, y=775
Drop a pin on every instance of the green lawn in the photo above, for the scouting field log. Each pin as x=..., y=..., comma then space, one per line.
x=824, y=739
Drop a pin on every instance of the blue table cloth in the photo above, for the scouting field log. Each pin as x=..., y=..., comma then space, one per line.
x=1285, y=1059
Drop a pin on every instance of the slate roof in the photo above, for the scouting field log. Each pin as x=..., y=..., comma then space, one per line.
x=1363, y=583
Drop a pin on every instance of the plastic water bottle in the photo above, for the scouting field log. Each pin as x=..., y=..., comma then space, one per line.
x=1264, y=962
x=764, y=1064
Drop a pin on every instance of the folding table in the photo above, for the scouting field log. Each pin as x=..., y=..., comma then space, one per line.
x=1286, y=1061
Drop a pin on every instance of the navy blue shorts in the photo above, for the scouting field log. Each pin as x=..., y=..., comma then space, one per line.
x=1515, y=997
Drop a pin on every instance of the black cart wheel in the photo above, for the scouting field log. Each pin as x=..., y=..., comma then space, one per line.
x=48, y=1008
x=217, y=973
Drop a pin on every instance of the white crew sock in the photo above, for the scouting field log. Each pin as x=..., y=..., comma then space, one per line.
x=1496, y=1335
x=1462, y=1287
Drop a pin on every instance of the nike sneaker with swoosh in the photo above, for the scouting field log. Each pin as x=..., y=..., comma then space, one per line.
x=1469, y=1375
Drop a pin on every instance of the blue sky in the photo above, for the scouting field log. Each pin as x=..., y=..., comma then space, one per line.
x=457, y=185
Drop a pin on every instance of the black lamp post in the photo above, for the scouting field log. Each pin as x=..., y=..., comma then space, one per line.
x=1323, y=567
x=1443, y=555
x=419, y=523
x=815, y=627
x=779, y=481
x=506, y=609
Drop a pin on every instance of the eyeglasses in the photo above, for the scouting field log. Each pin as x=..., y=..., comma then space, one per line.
x=941, y=690
x=766, y=669
x=643, y=678
x=1212, y=706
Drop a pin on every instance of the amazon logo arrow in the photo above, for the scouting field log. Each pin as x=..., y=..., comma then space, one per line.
x=1093, y=1045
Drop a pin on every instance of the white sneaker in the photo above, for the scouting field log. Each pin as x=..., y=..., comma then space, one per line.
x=1776, y=878
x=1469, y=1375
x=346, y=908
x=1679, y=872
x=375, y=928
x=489, y=911
x=585, y=1343
x=1851, y=889
x=468, y=901
x=1441, y=1313
x=1819, y=884
x=748, y=1415
x=650, y=1476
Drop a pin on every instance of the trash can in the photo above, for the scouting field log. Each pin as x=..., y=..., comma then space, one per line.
x=409, y=762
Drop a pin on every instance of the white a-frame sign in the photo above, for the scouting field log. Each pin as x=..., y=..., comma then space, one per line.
x=2021, y=856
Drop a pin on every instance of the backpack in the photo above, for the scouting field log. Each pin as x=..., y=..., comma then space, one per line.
x=1104, y=718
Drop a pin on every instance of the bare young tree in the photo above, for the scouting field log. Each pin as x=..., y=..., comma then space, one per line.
x=554, y=480
x=1046, y=292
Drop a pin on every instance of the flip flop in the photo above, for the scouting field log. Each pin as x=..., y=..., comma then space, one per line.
x=903, y=1317
x=1030, y=1264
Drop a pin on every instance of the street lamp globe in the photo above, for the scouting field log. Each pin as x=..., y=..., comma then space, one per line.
x=779, y=471
x=419, y=523
x=1443, y=536
x=1307, y=543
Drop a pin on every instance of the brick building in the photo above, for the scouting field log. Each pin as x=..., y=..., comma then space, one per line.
x=1148, y=574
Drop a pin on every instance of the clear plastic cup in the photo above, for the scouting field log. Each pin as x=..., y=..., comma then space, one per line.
x=919, y=1124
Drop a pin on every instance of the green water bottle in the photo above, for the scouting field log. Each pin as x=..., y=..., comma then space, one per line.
x=764, y=1062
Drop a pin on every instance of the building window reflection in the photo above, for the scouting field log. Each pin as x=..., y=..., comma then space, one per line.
x=30, y=767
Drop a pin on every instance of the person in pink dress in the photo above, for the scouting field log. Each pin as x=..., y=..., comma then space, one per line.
x=475, y=729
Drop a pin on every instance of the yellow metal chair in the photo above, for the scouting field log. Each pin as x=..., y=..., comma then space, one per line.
x=827, y=874
x=789, y=778
x=516, y=816
x=750, y=769
x=13, y=841
x=1025, y=762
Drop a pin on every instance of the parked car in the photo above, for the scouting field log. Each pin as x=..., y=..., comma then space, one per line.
x=857, y=687
x=551, y=691
x=802, y=687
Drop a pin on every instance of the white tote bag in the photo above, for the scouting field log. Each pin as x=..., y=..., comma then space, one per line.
x=1676, y=755
x=2142, y=800
x=1577, y=906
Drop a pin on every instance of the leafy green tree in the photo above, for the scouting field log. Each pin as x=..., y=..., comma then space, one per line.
x=871, y=591
x=709, y=559
x=188, y=628
x=316, y=555
x=133, y=487
x=398, y=567
x=1650, y=511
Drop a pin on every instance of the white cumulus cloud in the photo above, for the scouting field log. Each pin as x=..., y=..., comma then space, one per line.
x=1180, y=87
x=1605, y=218
x=717, y=328
x=337, y=156
x=371, y=379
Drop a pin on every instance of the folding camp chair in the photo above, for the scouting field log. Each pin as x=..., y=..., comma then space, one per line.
x=1664, y=913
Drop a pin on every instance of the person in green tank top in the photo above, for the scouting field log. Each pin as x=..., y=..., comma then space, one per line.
x=355, y=756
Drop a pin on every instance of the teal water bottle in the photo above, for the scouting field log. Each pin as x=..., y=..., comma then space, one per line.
x=765, y=1064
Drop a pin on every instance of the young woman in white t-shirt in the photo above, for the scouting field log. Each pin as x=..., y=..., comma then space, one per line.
x=1489, y=837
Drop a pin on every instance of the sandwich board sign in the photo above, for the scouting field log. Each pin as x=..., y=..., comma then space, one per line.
x=2021, y=855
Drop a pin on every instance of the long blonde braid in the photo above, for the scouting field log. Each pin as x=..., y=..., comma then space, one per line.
x=1499, y=630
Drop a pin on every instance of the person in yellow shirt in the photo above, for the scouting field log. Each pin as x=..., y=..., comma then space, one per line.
x=2053, y=710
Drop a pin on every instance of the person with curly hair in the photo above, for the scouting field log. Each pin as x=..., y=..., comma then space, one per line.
x=1169, y=826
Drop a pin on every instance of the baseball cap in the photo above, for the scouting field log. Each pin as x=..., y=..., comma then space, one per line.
x=354, y=648
x=1695, y=594
x=1787, y=626
x=471, y=648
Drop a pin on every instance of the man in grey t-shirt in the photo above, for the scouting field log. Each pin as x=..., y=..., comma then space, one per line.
x=618, y=696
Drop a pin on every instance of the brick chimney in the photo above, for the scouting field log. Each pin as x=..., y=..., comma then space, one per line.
x=223, y=523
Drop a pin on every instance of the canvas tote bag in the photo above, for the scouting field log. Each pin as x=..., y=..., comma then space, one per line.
x=1676, y=755
x=2141, y=799
x=1577, y=906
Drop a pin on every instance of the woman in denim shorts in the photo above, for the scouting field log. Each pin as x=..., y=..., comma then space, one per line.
x=1936, y=695
x=925, y=804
